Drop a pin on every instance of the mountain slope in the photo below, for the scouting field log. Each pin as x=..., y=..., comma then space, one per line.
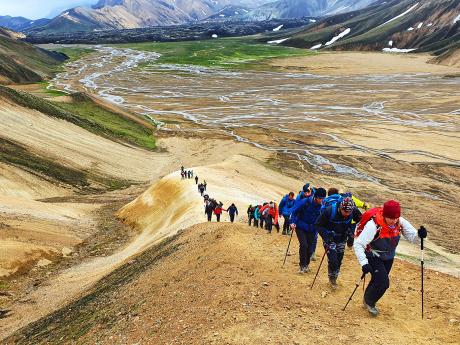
x=22, y=62
x=305, y=8
x=422, y=25
x=224, y=284
x=126, y=14
x=21, y=23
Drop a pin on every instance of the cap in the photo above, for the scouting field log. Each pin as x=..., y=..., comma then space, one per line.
x=392, y=209
x=320, y=193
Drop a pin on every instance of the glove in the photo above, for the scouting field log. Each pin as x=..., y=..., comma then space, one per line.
x=350, y=241
x=422, y=233
x=367, y=269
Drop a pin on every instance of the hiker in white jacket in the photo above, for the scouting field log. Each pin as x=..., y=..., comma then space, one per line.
x=375, y=248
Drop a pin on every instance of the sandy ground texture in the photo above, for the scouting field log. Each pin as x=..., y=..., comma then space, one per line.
x=225, y=284
x=350, y=63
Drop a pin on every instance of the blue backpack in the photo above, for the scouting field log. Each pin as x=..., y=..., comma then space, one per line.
x=334, y=201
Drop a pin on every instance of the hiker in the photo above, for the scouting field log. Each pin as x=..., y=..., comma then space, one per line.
x=262, y=216
x=257, y=215
x=201, y=189
x=218, y=211
x=303, y=218
x=232, y=210
x=210, y=204
x=196, y=179
x=250, y=213
x=285, y=208
x=305, y=192
x=377, y=237
x=191, y=173
x=204, y=184
x=182, y=168
x=334, y=226
x=358, y=203
x=270, y=211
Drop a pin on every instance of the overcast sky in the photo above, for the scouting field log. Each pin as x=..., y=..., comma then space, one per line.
x=34, y=9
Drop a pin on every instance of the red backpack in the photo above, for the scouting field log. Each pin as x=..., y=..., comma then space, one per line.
x=367, y=216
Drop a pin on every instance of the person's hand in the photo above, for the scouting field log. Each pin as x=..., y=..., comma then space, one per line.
x=366, y=206
x=367, y=269
x=422, y=233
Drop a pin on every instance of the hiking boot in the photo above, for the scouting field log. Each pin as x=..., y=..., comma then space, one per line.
x=304, y=269
x=373, y=311
x=284, y=232
x=313, y=257
x=333, y=282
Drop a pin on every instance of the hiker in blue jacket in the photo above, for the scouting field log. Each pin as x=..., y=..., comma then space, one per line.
x=257, y=215
x=303, y=218
x=335, y=227
x=304, y=193
x=285, y=207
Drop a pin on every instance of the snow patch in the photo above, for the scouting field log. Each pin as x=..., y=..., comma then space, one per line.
x=400, y=15
x=431, y=24
x=278, y=41
x=278, y=28
x=390, y=43
x=312, y=20
x=420, y=25
x=214, y=36
x=316, y=46
x=457, y=19
x=221, y=15
x=397, y=50
x=410, y=29
x=339, y=36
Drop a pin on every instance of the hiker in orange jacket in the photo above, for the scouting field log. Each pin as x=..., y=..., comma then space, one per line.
x=270, y=211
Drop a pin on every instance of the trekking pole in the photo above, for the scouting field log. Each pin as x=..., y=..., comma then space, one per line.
x=421, y=262
x=364, y=283
x=322, y=259
x=289, y=244
x=356, y=288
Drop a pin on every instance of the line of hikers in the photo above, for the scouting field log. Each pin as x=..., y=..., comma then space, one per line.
x=211, y=206
x=336, y=217
x=187, y=174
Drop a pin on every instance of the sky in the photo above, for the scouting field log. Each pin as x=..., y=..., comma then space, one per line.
x=34, y=9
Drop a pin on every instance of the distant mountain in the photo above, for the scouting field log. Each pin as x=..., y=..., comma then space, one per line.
x=229, y=12
x=396, y=25
x=21, y=23
x=127, y=14
x=21, y=62
x=305, y=8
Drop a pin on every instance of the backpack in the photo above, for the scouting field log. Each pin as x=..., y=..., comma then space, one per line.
x=366, y=217
x=334, y=201
x=331, y=200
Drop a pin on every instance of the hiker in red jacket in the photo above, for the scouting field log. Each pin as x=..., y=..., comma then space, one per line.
x=218, y=211
x=270, y=211
x=377, y=237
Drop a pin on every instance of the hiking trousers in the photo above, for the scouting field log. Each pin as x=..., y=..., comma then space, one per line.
x=209, y=214
x=218, y=217
x=306, y=240
x=232, y=217
x=256, y=223
x=286, y=225
x=380, y=281
x=334, y=258
x=250, y=219
x=261, y=222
